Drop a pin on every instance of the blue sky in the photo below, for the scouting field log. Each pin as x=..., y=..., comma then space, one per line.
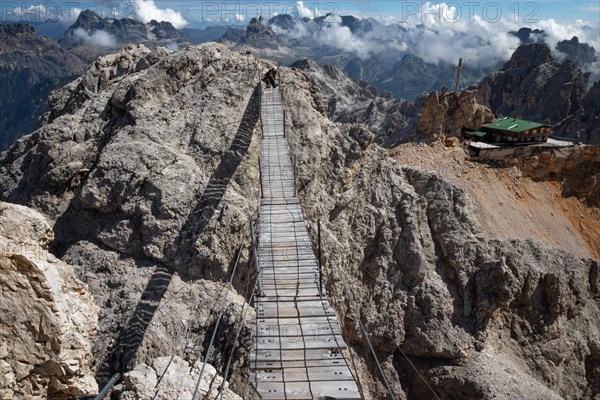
x=524, y=12
x=201, y=12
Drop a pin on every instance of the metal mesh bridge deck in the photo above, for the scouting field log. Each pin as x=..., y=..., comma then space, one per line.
x=298, y=346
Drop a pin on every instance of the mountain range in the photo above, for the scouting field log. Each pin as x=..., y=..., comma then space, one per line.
x=387, y=64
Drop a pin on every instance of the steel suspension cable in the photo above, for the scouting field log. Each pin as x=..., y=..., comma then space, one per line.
x=364, y=332
x=221, y=313
x=370, y=346
x=237, y=335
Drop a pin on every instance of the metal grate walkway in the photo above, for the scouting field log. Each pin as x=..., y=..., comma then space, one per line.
x=298, y=343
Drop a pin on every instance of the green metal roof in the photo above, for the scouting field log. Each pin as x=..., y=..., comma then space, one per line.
x=478, y=133
x=513, y=125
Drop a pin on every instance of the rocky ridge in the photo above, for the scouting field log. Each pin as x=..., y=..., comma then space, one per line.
x=534, y=86
x=122, y=31
x=479, y=317
x=447, y=114
x=49, y=318
x=143, y=152
x=347, y=101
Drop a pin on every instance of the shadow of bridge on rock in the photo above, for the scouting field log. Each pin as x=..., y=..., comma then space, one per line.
x=123, y=354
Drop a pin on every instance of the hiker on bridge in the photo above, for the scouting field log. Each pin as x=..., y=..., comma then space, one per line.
x=270, y=78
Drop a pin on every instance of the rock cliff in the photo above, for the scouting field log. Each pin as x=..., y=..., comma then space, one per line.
x=584, y=125
x=447, y=114
x=534, y=86
x=48, y=319
x=31, y=66
x=148, y=166
x=478, y=317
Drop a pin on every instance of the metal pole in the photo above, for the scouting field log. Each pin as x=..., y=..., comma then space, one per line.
x=248, y=64
x=262, y=193
x=260, y=94
x=295, y=171
x=254, y=251
x=458, y=69
x=108, y=387
x=319, y=254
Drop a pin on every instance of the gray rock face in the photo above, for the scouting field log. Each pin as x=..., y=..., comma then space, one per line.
x=478, y=317
x=148, y=165
x=580, y=53
x=260, y=35
x=177, y=381
x=344, y=100
x=447, y=114
x=533, y=86
x=31, y=66
x=584, y=125
x=48, y=319
x=369, y=70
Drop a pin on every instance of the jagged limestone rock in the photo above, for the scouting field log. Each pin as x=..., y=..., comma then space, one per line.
x=48, y=316
x=450, y=112
x=533, y=85
x=344, y=100
x=177, y=381
x=427, y=283
x=149, y=166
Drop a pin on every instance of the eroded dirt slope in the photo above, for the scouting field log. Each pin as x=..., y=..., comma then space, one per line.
x=518, y=199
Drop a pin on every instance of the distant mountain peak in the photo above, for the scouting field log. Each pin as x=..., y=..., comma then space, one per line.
x=116, y=31
x=529, y=56
x=580, y=53
x=16, y=29
x=528, y=35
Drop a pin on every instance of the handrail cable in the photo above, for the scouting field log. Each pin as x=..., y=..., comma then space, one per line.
x=221, y=313
x=364, y=332
x=342, y=328
x=237, y=335
x=369, y=342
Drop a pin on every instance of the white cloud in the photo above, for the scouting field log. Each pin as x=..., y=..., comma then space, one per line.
x=442, y=33
x=33, y=11
x=97, y=39
x=341, y=37
x=299, y=31
x=40, y=12
x=557, y=32
x=147, y=10
x=173, y=46
x=305, y=12
x=240, y=18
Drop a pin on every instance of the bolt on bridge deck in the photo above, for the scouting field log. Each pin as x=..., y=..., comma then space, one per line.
x=298, y=346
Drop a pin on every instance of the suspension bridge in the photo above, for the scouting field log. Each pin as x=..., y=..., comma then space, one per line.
x=298, y=350
x=298, y=347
